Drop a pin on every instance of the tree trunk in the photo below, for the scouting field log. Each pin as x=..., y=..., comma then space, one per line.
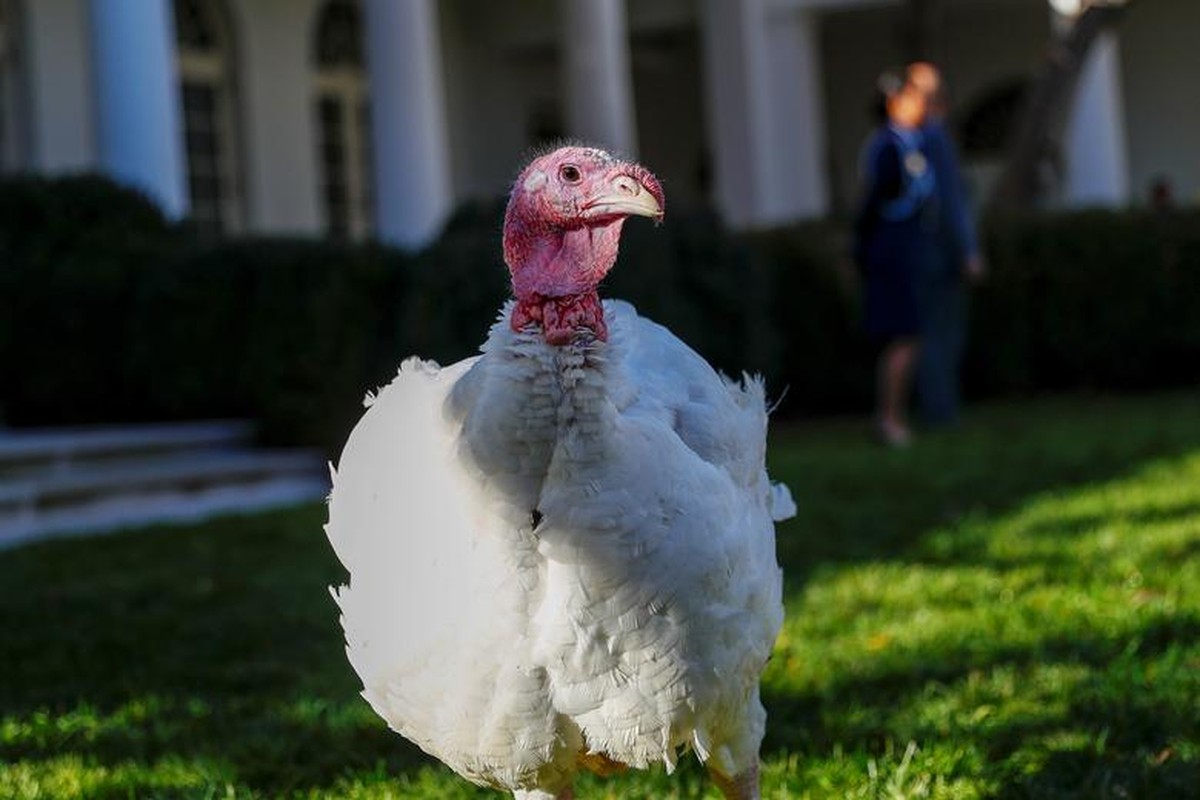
x=1037, y=134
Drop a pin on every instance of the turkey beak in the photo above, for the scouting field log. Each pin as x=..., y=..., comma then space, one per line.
x=632, y=192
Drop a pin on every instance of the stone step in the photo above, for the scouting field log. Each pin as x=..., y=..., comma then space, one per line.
x=56, y=486
x=87, y=481
x=65, y=446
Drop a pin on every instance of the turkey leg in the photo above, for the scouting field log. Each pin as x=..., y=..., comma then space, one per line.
x=739, y=787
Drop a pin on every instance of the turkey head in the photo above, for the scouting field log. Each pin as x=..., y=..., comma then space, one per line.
x=561, y=233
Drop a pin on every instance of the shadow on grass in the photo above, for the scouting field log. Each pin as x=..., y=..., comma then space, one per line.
x=936, y=505
x=259, y=748
x=861, y=502
x=801, y=721
x=219, y=642
x=1077, y=775
x=1082, y=524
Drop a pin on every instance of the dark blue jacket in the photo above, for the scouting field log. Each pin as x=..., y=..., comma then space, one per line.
x=895, y=230
x=957, y=228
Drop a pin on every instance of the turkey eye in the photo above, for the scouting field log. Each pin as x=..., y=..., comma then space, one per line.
x=570, y=173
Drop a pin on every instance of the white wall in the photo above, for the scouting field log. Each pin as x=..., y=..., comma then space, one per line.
x=57, y=56
x=1161, y=79
x=493, y=77
x=800, y=187
x=978, y=61
x=856, y=46
x=669, y=96
x=989, y=42
x=274, y=41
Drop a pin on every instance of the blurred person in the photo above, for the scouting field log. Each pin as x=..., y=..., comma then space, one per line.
x=956, y=261
x=892, y=242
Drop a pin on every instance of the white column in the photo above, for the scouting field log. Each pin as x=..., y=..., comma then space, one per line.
x=735, y=64
x=138, y=131
x=598, y=85
x=800, y=185
x=765, y=112
x=413, y=193
x=1095, y=146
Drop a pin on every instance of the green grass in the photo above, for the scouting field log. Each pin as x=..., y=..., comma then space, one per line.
x=1008, y=610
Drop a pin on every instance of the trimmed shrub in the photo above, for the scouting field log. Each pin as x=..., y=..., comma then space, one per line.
x=711, y=289
x=457, y=286
x=290, y=333
x=1096, y=300
x=72, y=255
x=825, y=363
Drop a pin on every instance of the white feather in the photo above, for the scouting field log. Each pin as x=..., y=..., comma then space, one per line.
x=562, y=550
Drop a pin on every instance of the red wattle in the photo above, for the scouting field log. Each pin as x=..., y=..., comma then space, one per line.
x=562, y=319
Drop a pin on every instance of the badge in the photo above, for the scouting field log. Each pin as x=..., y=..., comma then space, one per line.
x=915, y=163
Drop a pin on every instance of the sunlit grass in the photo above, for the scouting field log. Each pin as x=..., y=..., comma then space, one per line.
x=1008, y=610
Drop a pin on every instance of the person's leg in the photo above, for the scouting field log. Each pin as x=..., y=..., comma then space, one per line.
x=896, y=364
x=956, y=348
x=936, y=373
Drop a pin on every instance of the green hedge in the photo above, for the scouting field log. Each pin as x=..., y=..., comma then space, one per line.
x=291, y=333
x=1096, y=300
x=108, y=313
x=73, y=256
x=824, y=361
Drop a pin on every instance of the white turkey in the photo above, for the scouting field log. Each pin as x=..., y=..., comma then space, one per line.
x=562, y=551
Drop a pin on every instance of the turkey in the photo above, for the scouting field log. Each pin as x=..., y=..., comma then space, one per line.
x=561, y=552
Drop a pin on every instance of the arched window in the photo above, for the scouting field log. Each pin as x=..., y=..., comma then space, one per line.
x=208, y=92
x=342, y=119
x=11, y=141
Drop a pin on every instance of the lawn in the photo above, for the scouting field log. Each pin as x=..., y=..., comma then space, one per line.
x=1007, y=610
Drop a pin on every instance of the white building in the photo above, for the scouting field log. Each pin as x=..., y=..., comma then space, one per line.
x=356, y=116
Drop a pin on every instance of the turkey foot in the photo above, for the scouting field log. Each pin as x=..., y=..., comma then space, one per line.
x=739, y=787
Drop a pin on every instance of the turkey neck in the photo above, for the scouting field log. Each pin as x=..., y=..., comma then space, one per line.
x=532, y=410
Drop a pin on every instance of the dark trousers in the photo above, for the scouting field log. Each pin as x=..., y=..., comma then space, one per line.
x=944, y=337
